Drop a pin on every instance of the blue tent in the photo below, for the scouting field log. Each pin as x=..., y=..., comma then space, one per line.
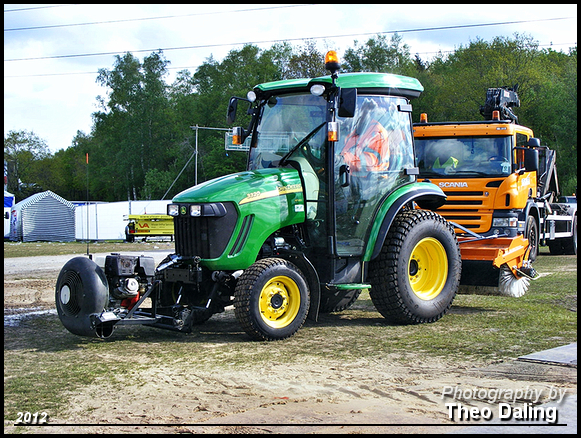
x=8, y=203
x=8, y=199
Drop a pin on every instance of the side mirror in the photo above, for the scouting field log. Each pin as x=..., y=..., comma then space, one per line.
x=232, y=107
x=534, y=142
x=531, y=159
x=347, y=102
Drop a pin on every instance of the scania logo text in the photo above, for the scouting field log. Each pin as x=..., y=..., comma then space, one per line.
x=448, y=184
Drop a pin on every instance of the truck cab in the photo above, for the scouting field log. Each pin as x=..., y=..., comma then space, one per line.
x=481, y=168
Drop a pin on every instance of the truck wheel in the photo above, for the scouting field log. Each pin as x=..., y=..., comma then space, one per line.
x=82, y=290
x=416, y=275
x=570, y=243
x=556, y=247
x=271, y=299
x=532, y=234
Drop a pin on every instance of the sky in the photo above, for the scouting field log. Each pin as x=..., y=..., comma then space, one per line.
x=52, y=54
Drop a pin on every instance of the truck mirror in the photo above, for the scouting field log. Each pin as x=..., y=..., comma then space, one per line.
x=232, y=106
x=531, y=159
x=347, y=102
x=534, y=142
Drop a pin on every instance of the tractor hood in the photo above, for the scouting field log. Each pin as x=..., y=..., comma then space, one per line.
x=255, y=204
x=259, y=187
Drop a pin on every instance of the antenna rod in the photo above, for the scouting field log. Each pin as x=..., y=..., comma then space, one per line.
x=88, y=255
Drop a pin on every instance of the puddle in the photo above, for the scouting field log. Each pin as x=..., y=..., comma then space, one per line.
x=13, y=317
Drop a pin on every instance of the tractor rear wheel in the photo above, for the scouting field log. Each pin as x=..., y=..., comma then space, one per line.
x=415, y=277
x=271, y=299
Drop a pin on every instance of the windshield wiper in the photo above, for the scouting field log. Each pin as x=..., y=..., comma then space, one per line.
x=471, y=172
x=300, y=143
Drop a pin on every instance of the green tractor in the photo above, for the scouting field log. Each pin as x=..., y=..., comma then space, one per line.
x=329, y=205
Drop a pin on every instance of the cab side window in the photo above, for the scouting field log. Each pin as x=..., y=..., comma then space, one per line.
x=521, y=140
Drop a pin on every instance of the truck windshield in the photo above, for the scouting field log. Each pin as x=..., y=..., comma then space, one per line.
x=464, y=156
x=287, y=120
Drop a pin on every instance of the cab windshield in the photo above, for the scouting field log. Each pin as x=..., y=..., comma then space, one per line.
x=464, y=156
x=287, y=120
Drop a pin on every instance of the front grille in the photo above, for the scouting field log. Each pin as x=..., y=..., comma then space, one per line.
x=463, y=193
x=205, y=236
x=466, y=202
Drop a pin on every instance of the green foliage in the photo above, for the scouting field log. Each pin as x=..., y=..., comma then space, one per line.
x=141, y=144
x=379, y=55
x=25, y=153
x=455, y=88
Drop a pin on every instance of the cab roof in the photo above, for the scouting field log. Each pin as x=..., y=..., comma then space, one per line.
x=381, y=83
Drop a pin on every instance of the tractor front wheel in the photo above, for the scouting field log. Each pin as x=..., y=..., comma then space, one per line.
x=271, y=299
x=415, y=277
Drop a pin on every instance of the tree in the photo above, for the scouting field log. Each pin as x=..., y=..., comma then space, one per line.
x=379, y=55
x=305, y=62
x=141, y=138
x=23, y=151
x=135, y=129
x=455, y=85
x=69, y=167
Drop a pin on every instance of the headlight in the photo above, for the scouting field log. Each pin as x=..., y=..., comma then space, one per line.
x=195, y=210
x=173, y=210
x=212, y=209
x=504, y=222
x=317, y=89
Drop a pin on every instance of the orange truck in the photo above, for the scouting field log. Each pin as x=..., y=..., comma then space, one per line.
x=502, y=193
x=148, y=225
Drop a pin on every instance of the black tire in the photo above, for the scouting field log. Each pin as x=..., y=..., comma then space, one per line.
x=81, y=290
x=129, y=238
x=532, y=234
x=556, y=247
x=349, y=297
x=409, y=285
x=570, y=243
x=271, y=299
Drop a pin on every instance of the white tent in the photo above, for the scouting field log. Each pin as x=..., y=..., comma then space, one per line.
x=107, y=221
x=43, y=216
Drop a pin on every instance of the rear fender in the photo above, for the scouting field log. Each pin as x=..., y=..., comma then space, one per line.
x=426, y=195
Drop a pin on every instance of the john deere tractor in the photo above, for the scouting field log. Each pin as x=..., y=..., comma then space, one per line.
x=328, y=206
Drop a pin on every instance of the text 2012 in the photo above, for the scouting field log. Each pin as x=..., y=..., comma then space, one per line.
x=31, y=418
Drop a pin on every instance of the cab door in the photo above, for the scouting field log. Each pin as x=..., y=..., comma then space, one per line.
x=374, y=148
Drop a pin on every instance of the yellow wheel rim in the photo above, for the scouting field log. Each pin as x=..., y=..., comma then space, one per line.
x=428, y=268
x=279, y=302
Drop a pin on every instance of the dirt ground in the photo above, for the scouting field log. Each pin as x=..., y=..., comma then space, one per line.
x=356, y=396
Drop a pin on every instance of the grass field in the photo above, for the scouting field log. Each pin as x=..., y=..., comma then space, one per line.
x=44, y=364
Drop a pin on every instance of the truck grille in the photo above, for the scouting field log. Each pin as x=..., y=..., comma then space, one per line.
x=471, y=209
x=205, y=236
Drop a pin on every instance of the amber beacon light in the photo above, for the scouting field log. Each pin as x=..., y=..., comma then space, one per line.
x=332, y=61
